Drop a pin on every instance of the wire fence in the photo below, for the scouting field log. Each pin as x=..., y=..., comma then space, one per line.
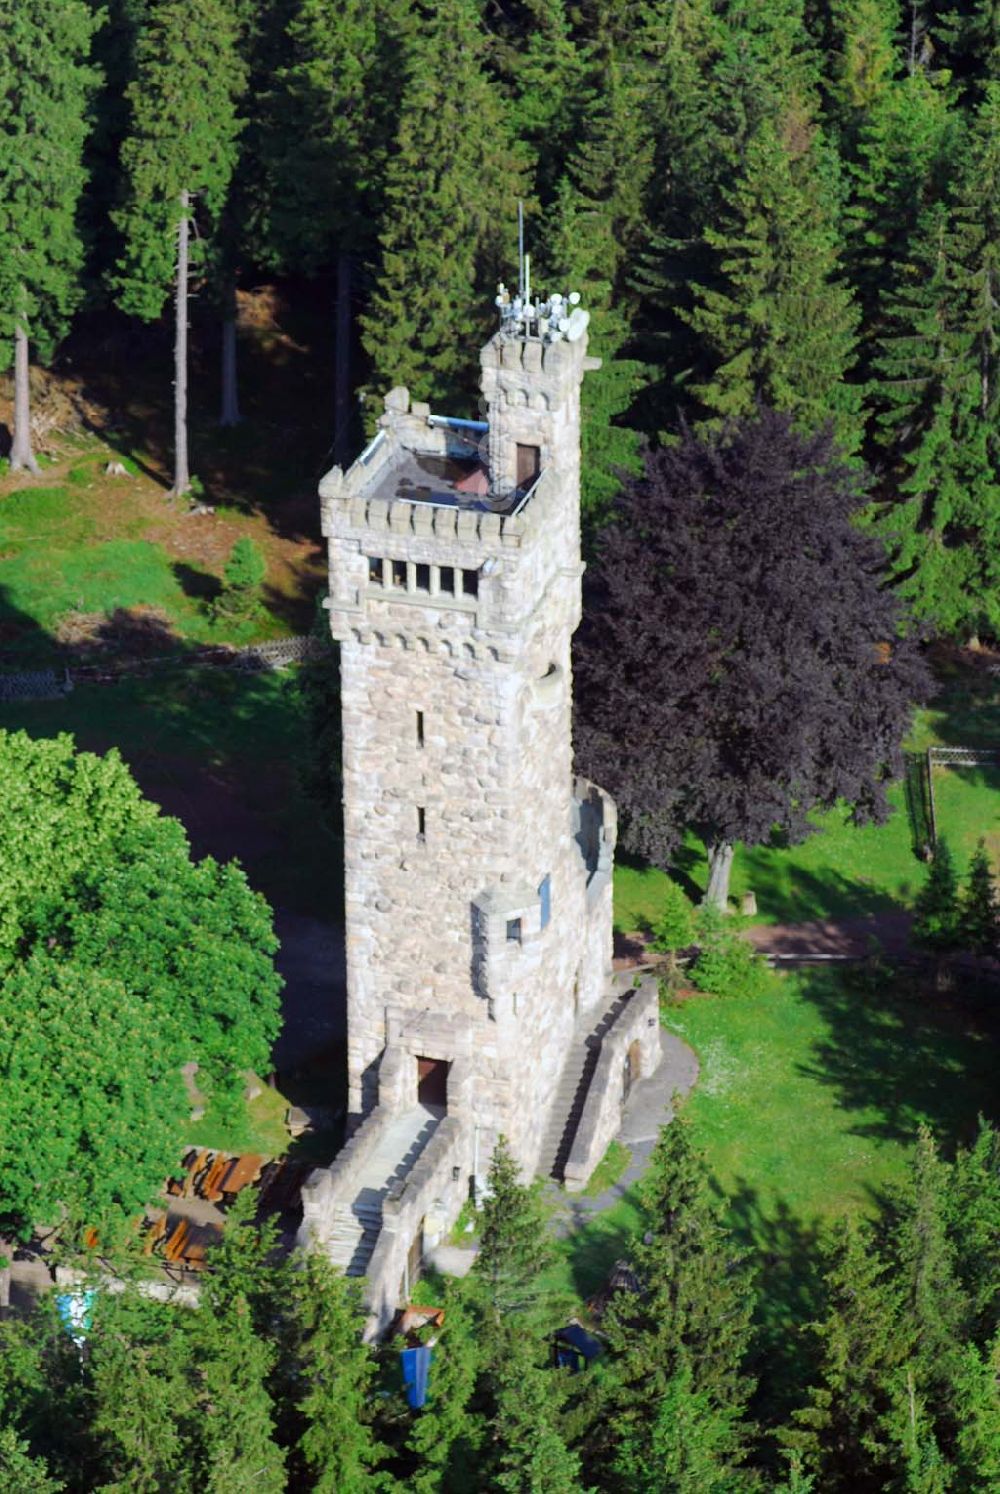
x=918, y=785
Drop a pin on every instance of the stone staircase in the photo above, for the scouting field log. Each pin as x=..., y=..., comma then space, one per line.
x=574, y=1082
x=356, y=1225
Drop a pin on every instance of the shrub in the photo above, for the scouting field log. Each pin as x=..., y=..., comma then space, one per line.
x=727, y=963
x=674, y=929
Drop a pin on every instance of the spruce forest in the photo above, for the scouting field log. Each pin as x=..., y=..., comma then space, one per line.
x=785, y=204
x=783, y=217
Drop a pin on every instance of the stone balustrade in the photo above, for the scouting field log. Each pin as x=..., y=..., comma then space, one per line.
x=638, y=1022
x=326, y=1187
x=425, y=1202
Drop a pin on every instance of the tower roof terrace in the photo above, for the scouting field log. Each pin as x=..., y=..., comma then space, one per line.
x=447, y=470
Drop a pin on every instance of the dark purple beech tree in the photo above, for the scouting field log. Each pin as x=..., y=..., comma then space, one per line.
x=741, y=662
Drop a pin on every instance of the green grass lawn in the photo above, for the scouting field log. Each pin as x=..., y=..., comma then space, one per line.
x=847, y=871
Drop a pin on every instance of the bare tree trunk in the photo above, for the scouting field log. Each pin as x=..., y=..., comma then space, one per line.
x=6, y=1256
x=182, y=476
x=230, y=412
x=720, y=864
x=21, y=454
x=342, y=368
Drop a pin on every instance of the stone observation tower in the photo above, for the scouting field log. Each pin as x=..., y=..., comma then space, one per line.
x=478, y=870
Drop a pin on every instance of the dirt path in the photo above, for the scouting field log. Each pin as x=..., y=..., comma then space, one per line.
x=814, y=938
x=849, y=938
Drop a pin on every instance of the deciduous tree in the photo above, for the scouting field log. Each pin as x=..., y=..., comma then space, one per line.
x=91, y=1109
x=741, y=663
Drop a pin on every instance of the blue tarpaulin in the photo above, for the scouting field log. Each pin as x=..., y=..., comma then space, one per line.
x=416, y=1371
x=575, y=1347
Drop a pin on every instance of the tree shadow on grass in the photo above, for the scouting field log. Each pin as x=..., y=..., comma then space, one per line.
x=791, y=893
x=904, y=1054
x=786, y=1254
x=201, y=585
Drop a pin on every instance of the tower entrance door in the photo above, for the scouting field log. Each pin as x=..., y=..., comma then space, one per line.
x=432, y=1082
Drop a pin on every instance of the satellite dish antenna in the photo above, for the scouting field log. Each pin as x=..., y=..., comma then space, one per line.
x=577, y=324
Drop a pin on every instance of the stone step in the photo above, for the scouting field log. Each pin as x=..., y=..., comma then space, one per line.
x=572, y=1087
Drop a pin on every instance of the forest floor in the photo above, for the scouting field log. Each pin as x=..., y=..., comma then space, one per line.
x=89, y=560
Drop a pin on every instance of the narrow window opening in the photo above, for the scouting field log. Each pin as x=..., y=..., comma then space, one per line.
x=420, y=728
x=514, y=1003
x=399, y=573
x=470, y=583
x=545, y=898
x=375, y=570
x=513, y=930
x=421, y=822
x=423, y=582
x=448, y=580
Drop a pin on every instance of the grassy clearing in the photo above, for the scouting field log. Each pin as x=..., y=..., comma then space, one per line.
x=848, y=871
x=96, y=546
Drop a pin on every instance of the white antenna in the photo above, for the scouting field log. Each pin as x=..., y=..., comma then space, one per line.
x=520, y=249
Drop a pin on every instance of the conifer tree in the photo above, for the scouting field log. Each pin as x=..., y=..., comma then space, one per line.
x=920, y=1465
x=976, y=1389
x=45, y=85
x=979, y=912
x=230, y=1432
x=320, y=151
x=941, y=365
x=901, y=153
x=864, y=1348
x=866, y=59
x=178, y=160
x=974, y=1228
x=542, y=62
x=935, y=1306
x=335, y=1371
x=19, y=1471
x=935, y=912
x=596, y=223
x=777, y=324
x=447, y=1437
x=724, y=70
x=683, y=1339
x=529, y=1453
x=449, y=211
x=138, y=1394
x=513, y=1244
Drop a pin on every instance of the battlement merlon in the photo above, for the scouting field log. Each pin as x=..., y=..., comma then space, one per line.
x=479, y=518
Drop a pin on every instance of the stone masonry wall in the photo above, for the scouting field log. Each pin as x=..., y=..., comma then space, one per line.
x=453, y=819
